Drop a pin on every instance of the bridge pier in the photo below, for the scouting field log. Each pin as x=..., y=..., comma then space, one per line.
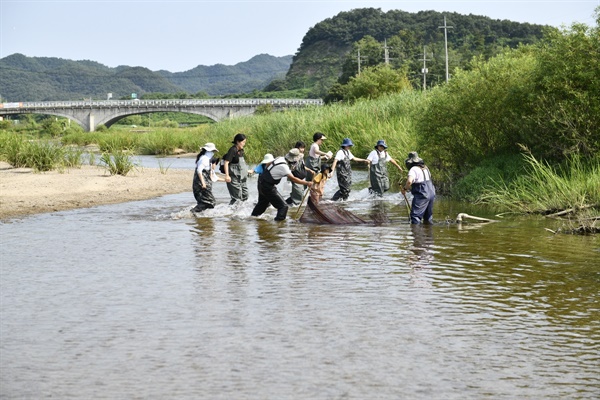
x=91, y=125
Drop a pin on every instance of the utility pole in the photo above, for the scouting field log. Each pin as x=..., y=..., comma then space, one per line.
x=424, y=70
x=446, y=27
x=386, y=54
x=358, y=61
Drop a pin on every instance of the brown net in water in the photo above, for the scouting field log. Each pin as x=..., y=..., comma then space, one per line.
x=327, y=213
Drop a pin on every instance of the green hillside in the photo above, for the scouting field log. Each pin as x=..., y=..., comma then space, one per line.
x=25, y=78
x=328, y=52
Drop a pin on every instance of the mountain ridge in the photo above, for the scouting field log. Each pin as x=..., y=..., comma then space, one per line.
x=24, y=78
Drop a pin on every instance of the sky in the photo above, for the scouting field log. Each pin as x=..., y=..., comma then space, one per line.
x=178, y=35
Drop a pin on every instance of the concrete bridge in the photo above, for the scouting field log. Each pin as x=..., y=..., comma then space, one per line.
x=90, y=114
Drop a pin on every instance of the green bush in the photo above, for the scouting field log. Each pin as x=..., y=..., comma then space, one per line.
x=504, y=168
x=117, y=162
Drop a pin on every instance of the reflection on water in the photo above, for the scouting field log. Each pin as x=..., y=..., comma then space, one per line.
x=140, y=300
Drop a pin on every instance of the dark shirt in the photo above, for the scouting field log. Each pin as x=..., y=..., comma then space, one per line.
x=233, y=155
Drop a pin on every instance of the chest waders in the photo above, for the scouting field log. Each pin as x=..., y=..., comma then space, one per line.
x=423, y=196
x=378, y=176
x=314, y=163
x=238, y=187
x=344, y=177
x=298, y=190
x=204, y=197
x=268, y=194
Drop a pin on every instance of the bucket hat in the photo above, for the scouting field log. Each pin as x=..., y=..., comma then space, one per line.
x=293, y=155
x=413, y=159
x=381, y=143
x=268, y=158
x=347, y=142
x=210, y=147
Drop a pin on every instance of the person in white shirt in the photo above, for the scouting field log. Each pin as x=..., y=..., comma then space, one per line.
x=378, y=173
x=315, y=154
x=268, y=181
x=204, y=176
x=341, y=165
x=420, y=185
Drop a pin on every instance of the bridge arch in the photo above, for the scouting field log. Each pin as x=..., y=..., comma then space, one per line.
x=90, y=114
x=111, y=121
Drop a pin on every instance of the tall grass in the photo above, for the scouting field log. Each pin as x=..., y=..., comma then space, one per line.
x=41, y=155
x=545, y=189
x=117, y=162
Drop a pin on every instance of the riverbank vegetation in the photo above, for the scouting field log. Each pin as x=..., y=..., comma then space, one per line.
x=520, y=131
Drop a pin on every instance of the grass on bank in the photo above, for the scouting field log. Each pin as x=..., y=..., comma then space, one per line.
x=41, y=155
x=572, y=190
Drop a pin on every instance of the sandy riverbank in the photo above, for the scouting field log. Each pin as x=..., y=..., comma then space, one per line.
x=25, y=192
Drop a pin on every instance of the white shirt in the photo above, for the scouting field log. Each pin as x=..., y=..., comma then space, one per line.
x=418, y=174
x=340, y=155
x=375, y=155
x=203, y=163
x=280, y=169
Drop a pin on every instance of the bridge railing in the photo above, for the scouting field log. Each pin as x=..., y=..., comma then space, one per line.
x=159, y=103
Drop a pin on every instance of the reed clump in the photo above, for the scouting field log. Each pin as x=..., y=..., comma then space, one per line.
x=41, y=155
x=568, y=191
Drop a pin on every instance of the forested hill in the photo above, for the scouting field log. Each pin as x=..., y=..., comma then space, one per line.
x=329, y=49
x=25, y=78
x=328, y=54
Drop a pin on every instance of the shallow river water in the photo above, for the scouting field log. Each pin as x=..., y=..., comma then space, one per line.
x=143, y=300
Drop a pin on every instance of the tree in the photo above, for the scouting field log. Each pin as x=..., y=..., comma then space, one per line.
x=375, y=82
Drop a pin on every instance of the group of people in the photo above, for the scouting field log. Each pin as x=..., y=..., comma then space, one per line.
x=312, y=174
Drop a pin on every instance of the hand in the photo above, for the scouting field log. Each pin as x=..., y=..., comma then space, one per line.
x=227, y=179
x=204, y=186
x=309, y=184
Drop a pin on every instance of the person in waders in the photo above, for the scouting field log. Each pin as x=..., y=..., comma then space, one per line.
x=268, y=181
x=204, y=176
x=315, y=155
x=236, y=170
x=378, y=173
x=420, y=185
x=341, y=165
x=300, y=171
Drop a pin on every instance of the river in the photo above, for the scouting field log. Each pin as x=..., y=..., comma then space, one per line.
x=142, y=300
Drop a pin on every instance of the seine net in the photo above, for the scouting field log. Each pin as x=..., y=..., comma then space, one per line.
x=328, y=213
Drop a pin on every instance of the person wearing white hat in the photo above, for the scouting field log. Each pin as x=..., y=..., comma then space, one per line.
x=204, y=176
x=268, y=181
x=420, y=185
x=266, y=161
x=315, y=154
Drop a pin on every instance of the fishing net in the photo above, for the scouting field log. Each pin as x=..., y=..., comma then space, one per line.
x=317, y=212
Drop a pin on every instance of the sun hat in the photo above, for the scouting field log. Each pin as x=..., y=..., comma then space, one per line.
x=293, y=155
x=268, y=158
x=413, y=159
x=210, y=147
x=317, y=136
x=381, y=143
x=347, y=142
